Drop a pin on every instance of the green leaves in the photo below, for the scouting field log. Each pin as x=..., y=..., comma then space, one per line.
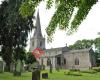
x=28, y=7
x=97, y=43
x=49, y=4
x=82, y=12
x=82, y=44
x=13, y=30
x=63, y=15
x=30, y=58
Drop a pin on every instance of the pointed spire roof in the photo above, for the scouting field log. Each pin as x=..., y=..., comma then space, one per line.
x=37, y=32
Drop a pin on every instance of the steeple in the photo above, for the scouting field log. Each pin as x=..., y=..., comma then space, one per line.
x=37, y=41
x=37, y=32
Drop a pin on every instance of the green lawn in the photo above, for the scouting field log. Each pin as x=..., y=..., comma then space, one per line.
x=61, y=75
x=9, y=76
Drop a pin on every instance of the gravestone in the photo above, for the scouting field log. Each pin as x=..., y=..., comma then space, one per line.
x=36, y=71
x=18, y=67
x=22, y=66
x=45, y=75
x=30, y=67
x=1, y=65
x=12, y=67
x=17, y=72
x=36, y=74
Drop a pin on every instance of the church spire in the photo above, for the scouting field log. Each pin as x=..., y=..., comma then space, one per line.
x=37, y=41
x=37, y=32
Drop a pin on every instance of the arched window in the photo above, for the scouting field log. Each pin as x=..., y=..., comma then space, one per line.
x=76, y=61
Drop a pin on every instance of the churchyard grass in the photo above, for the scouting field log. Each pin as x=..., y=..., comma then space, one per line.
x=9, y=76
x=74, y=75
x=61, y=75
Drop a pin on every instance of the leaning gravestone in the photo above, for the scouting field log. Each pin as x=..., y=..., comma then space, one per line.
x=18, y=69
x=1, y=65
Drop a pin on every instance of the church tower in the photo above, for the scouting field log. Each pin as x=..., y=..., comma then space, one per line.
x=37, y=41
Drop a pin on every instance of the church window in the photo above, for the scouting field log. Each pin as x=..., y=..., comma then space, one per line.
x=76, y=61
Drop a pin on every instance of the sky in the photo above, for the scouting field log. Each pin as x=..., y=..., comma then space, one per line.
x=88, y=29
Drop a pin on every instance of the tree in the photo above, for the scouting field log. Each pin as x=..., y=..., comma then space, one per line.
x=13, y=30
x=97, y=45
x=82, y=44
x=30, y=60
x=63, y=13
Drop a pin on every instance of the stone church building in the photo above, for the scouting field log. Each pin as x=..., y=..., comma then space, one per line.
x=61, y=57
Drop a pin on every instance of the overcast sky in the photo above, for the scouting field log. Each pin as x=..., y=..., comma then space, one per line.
x=87, y=30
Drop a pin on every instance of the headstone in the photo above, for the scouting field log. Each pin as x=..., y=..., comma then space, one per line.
x=30, y=67
x=17, y=72
x=45, y=75
x=12, y=67
x=1, y=65
x=36, y=74
x=22, y=66
x=18, y=67
x=36, y=71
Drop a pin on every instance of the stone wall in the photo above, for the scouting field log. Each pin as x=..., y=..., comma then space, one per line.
x=85, y=57
x=82, y=56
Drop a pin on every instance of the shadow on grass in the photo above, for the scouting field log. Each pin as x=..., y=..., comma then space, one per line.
x=97, y=69
x=89, y=71
x=73, y=73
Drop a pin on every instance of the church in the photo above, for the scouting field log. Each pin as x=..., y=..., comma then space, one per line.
x=61, y=57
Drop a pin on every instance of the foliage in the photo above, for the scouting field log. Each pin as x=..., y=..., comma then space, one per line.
x=97, y=45
x=22, y=56
x=13, y=30
x=28, y=7
x=64, y=10
x=30, y=58
x=82, y=44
